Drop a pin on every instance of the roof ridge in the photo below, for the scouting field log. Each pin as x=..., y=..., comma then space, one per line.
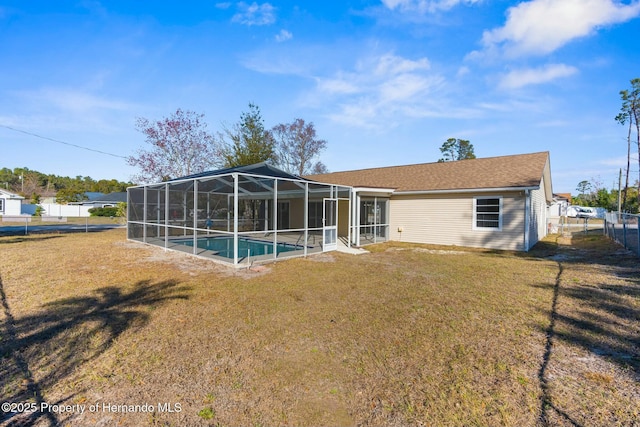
x=432, y=163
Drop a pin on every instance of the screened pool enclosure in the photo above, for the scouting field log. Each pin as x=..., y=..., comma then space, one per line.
x=241, y=215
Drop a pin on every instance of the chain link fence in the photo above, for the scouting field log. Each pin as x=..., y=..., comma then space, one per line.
x=26, y=224
x=623, y=229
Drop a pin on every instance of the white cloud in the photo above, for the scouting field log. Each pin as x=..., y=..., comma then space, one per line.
x=70, y=109
x=255, y=14
x=386, y=74
x=614, y=161
x=283, y=36
x=463, y=71
x=337, y=85
x=531, y=76
x=381, y=90
x=224, y=5
x=425, y=6
x=73, y=100
x=391, y=65
x=541, y=26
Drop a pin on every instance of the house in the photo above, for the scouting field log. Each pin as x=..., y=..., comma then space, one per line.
x=258, y=212
x=10, y=203
x=559, y=205
x=496, y=202
x=109, y=200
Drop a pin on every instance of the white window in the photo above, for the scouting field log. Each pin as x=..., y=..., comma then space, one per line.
x=487, y=213
x=1, y=205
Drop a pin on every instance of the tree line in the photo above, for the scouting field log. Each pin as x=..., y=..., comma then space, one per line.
x=592, y=193
x=35, y=185
x=180, y=145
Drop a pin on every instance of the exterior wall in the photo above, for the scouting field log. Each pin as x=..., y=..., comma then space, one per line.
x=343, y=218
x=447, y=219
x=558, y=208
x=296, y=213
x=12, y=207
x=538, y=216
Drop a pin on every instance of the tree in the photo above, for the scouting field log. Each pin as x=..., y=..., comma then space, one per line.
x=583, y=187
x=180, y=146
x=586, y=194
x=319, y=168
x=73, y=193
x=249, y=142
x=297, y=146
x=629, y=114
x=456, y=149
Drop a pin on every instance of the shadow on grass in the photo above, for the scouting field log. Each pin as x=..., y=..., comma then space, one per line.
x=6, y=231
x=546, y=405
x=26, y=239
x=39, y=350
x=596, y=323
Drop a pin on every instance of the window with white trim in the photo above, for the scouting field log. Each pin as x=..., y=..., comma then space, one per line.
x=487, y=212
x=1, y=205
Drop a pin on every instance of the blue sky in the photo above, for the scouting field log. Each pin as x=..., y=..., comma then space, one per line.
x=384, y=82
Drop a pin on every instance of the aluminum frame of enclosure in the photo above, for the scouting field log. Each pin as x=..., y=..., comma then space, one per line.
x=236, y=218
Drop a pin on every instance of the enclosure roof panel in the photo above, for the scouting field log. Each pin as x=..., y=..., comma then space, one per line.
x=262, y=168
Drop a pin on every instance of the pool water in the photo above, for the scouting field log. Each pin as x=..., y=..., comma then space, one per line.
x=224, y=246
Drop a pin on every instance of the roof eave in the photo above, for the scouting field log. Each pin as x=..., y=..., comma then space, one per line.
x=466, y=190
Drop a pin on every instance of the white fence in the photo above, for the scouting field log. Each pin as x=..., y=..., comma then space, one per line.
x=54, y=209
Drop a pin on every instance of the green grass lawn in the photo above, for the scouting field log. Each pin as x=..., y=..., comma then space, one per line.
x=405, y=335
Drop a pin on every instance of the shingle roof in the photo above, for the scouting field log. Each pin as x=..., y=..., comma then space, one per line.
x=119, y=196
x=563, y=195
x=523, y=170
x=10, y=195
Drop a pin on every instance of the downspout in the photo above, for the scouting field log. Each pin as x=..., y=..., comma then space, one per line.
x=527, y=218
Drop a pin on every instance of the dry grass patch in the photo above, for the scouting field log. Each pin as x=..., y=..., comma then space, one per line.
x=419, y=336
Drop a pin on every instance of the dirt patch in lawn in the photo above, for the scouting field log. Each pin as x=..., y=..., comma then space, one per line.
x=393, y=337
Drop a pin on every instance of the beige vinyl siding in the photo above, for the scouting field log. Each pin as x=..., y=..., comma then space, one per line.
x=448, y=220
x=343, y=218
x=538, y=216
x=296, y=213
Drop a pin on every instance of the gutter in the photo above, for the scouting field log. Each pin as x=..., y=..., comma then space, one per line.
x=466, y=190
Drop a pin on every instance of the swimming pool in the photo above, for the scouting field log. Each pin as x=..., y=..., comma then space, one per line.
x=223, y=245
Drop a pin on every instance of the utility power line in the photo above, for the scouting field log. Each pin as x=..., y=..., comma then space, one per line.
x=62, y=142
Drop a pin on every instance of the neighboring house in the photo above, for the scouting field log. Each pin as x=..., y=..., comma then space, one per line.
x=259, y=212
x=10, y=203
x=496, y=202
x=109, y=200
x=559, y=204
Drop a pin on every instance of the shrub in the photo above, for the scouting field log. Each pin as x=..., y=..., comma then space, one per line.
x=103, y=211
x=122, y=209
